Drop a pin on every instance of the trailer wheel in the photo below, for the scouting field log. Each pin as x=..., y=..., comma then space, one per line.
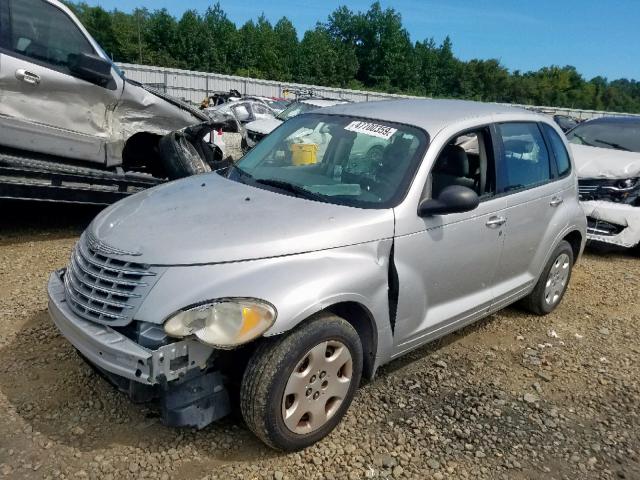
x=180, y=158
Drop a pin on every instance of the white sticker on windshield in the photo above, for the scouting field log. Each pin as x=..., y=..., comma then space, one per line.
x=373, y=129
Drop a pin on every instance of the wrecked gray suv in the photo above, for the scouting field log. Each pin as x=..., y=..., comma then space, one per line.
x=318, y=266
x=62, y=97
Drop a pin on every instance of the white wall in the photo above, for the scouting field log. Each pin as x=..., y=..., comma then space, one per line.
x=195, y=86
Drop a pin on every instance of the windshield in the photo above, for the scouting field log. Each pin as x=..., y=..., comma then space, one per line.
x=278, y=105
x=615, y=135
x=336, y=159
x=294, y=110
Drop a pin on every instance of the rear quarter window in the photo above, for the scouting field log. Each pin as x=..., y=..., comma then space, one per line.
x=559, y=151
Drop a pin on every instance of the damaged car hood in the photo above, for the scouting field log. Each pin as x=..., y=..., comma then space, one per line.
x=264, y=126
x=596, y=162
x=208, y=219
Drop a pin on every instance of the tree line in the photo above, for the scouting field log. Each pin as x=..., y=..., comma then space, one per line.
x=361, y=50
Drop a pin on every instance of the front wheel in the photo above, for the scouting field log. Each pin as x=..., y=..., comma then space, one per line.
x=553, y=282
x=297, y=388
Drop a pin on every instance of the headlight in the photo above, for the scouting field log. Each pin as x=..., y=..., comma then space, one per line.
x=223, y=323
x=627, y=184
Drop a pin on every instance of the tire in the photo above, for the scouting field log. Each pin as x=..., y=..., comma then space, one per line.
x=541, y=300
x=277, y=362
x=180, y=158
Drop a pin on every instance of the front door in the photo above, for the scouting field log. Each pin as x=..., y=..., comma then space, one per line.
x=43, y=106
x=446, y=268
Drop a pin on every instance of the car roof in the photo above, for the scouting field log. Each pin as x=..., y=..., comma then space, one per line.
x=431, y=115
x=322, y=102
x=615, y=120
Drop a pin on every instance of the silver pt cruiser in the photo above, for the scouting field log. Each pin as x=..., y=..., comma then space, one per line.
x=281, y=281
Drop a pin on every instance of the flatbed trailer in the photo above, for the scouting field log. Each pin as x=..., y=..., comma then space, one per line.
x=26, y=176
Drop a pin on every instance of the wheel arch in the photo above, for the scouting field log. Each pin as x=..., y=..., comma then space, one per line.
x=141, y=152
x=574, y=238
x=361, y=319
x=363, y=322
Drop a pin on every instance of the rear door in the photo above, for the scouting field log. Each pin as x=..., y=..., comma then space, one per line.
x=43, y=106
x=528, y=179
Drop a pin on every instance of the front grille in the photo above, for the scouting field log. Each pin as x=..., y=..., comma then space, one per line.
x=105, y=289
x=590, y=189
x=608, y=190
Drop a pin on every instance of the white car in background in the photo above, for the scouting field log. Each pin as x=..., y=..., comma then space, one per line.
x=607, y=156
x=260, y=128
x=245, y=110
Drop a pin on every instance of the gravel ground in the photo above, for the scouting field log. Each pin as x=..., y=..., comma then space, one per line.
x=514, y=396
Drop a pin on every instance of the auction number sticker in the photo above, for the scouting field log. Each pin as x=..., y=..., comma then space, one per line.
x=373, y=129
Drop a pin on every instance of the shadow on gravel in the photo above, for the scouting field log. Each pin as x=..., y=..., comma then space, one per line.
x=55, y=392
x=608, y=251
x=425, y=351
x=51, y=220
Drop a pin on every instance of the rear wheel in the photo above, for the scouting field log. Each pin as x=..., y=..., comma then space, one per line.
x=553, y=282
x=296, y=389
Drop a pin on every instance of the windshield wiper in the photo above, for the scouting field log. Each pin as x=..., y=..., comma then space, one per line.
x=297, y=190
x=240, y=171
x=583, y=140
x=617, y=146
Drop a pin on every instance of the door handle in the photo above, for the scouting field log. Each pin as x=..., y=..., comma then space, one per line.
x=27, y=77
x=495, y=222
x=555, y=201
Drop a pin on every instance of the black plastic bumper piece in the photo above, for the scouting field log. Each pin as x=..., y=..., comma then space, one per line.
x=195, y=402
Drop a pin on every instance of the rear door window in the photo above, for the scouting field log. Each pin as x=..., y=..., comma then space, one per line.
x=44, y=34
x=525, y=161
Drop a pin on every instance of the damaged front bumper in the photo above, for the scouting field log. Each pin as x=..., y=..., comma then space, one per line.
x=612, y=207
x=177, y=374
x=612, y=223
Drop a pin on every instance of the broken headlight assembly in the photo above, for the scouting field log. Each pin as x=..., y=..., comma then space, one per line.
x=625, y=191
x=225, y=323
x=626, y=185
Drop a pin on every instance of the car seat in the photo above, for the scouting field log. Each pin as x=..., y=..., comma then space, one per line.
x=451, y=168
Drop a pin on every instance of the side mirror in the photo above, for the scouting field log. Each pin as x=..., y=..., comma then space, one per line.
x=453, y=199
x=91, y=67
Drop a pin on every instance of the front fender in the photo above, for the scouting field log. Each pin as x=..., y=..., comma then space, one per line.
x=297, y=285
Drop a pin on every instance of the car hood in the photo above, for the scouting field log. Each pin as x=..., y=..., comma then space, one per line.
x=263, y=126
x=208, y=219
x=596, y=162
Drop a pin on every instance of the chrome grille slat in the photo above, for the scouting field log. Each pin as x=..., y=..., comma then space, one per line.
x=74, y=299
x=106, y=278
x=105, y=300
x=104, y=289
x=114, y=268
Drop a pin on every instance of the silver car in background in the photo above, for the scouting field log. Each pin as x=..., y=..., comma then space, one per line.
x=317, y=268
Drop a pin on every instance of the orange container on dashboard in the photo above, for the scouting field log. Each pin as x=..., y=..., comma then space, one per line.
x=304, y=153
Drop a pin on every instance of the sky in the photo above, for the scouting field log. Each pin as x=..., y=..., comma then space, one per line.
x=597, y=37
